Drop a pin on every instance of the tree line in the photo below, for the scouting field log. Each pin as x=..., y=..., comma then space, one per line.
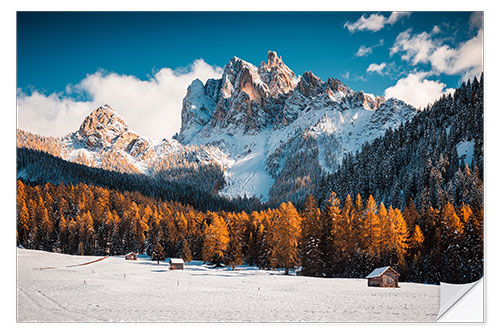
x=335, y=239
x=419, y=161
x=39, y=167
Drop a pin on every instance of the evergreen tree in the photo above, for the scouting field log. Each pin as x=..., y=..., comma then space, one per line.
x=158, y=253
x=216, y=239
x=285, y=238
x=332, y=242
x=186, y=251
x=372, y=229
x=234, y=255
x=310, y=252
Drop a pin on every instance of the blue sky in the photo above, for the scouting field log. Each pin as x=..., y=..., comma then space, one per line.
x=63, y=59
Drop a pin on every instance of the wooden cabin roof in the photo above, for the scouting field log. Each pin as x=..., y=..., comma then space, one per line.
x=379, y=271
x=176, y=261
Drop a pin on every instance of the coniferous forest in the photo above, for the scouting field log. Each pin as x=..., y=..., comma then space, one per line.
x=406, y=200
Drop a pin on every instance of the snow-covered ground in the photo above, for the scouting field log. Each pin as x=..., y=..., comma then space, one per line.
x=114, y=289
x=465, y=151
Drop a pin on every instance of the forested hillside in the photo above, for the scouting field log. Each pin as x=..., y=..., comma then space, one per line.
x=346, y=240
x=435, y=158
x=39, y=167
x=412, y=199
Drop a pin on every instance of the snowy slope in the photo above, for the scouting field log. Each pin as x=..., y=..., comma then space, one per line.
x=272, y=133
x=104, y=140
x=262, y=116
x=465, y=151
x=114, y=289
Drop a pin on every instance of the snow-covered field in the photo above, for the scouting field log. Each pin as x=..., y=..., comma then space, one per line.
x=114, y=289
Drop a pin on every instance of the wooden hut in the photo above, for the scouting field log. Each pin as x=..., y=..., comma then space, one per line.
x=383, y=277
x=176, y=263
x=131, y=256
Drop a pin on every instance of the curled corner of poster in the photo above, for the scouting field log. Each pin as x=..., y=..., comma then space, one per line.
x=462, y=303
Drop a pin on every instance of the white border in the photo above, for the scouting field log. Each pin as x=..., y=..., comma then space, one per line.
x=8, y=126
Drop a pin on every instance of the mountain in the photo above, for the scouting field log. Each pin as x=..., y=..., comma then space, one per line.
x=104, y=133
x=105, y=141
x=281, y=131
x=434, y=159
x=257, y=131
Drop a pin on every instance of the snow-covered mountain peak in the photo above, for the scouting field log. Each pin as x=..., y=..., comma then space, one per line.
x=266, y=119
x=101, y=127
x=103, y=115
x=273, y=134
x=310, y=84
x=273, y=60
x=276, y=75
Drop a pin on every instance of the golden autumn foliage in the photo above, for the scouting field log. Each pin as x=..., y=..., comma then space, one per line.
x=216, y=239
x=285, y=238
x=335, y=240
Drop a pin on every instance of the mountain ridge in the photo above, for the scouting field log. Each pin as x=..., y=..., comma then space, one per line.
x=258, y=111
x=271, y=133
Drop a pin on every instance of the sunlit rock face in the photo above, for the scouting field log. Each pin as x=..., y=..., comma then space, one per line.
x=276, y=126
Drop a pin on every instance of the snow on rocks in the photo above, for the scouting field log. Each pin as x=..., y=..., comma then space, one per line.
x=260, y=116
x=252, y=123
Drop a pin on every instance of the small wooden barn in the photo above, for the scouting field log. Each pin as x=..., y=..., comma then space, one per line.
x=176, y=263
x=131, y=256
x=383, y=277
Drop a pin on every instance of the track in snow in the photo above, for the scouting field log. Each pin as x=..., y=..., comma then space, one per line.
x=118, y=290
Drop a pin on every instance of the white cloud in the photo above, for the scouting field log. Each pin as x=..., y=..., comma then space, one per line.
x=374, y=22
x=363, y=51
x=396, y=16
x=414, y=48
x=353, y=77
x=466, y=59
x=150, y=107
x=416, y=90
x=359, y=78
x=50, y=115
x=376, y=68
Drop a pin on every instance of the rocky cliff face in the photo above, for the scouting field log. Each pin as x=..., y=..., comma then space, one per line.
x=268, y=120
x=246, y=98
x=105, y=140
x=103, y=130
x=272, y=133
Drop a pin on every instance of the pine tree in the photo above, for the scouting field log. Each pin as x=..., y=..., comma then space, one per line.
x=285, y=238
x=264, y=239
x=63, y=234
x=372, y=230
x=216, y=239
x=346, y=227
x=44, y=226
x=386, y=230
x=400, y=235
x=234, y=255
x=410, y=215
x=452, y=244
x=332, y=242
x=310, y=252
x=23, y=221
x=358, y=223
x=418, y=238
x=186, y=251
x=87, y=239
x=158, y=253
